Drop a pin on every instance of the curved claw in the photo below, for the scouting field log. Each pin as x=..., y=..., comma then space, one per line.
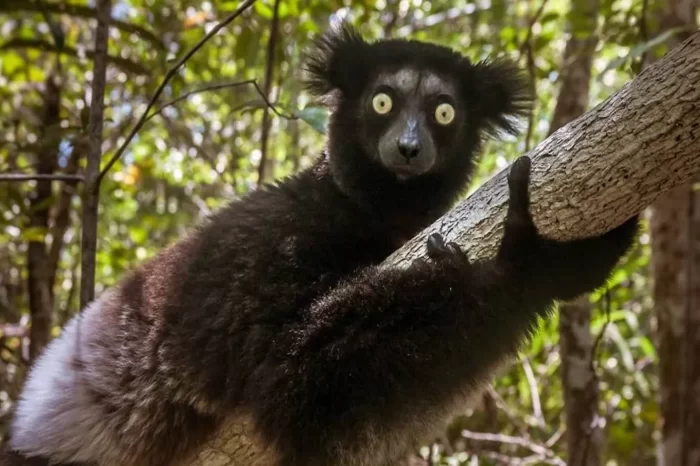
x=439, y=250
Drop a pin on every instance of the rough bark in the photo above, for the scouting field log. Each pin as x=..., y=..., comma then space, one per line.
x=675, y=235
x=597, y=171
x=583, y=435
x=587, y=177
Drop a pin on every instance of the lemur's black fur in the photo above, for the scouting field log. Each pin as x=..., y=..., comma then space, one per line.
x=275, y=306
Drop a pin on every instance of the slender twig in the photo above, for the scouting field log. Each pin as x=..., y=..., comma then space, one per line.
x=168, y=76
x=277, y=112
x=269, y=69
x=186, y=95
x=531, y=24
x=516, y=421
x=601, y=333
x=216, y=87
x=526, y=50
x=596, y=377
x=556, y=436
x=534, y=391
x=35, y=176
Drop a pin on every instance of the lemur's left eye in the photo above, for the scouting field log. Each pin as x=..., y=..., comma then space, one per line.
x=381, y=103
x=444, y=113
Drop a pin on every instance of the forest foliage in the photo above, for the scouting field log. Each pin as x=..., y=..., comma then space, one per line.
x=209, y=140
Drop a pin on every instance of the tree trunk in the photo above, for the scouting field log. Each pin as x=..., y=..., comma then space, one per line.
x=583, y=435
x=267, y=165
x=40, y=280
x=91, y=188
x=675, y=235
x=675, y=245
x=587, y=177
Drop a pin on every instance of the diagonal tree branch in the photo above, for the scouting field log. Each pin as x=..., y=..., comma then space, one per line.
x=598, y=170
x=216, y=87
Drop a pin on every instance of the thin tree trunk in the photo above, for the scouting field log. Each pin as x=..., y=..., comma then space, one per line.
x=61, y=217
x=583, y=435
x=675, y=235
x=266, y=164
x=39, y=275
x=88, y=243
x=675, y=245
x=587, y=177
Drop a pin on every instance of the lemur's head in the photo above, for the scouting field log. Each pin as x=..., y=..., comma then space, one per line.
x=409, y=109
x=408, y=116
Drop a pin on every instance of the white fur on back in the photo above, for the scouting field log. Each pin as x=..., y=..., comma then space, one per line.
x=57, y=416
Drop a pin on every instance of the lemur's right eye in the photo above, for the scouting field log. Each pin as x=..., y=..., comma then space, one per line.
x=381, y=103
x=444, y=113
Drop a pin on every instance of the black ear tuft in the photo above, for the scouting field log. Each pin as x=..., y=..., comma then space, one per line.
x=331, y=63
x=504, y=95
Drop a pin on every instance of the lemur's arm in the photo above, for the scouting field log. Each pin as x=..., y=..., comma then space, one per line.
x=383, y=357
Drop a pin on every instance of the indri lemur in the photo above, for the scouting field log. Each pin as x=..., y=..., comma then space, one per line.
x=275, y=305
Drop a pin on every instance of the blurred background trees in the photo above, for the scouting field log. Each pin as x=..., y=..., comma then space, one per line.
x=615, y=380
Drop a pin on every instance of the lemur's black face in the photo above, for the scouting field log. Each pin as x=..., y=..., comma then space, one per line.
x=408, y=114
x=410, y=118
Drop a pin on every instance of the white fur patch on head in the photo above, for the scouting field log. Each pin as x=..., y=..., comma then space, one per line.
x=410, y=80
x=405, y=80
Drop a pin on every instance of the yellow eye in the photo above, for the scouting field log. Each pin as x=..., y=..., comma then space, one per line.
x=381, y=103
x=444, y=114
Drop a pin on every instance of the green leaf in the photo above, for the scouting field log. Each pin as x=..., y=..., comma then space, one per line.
x=647, y=347
x=549, y=17
x=11, y=62
x=316, y=117
x=138, y=235
x=508, y=34
x=263, y=10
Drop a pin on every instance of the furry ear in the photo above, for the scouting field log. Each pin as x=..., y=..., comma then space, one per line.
x=503, y=93
x=334, y=60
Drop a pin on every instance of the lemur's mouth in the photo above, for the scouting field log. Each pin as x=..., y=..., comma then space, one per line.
x=405, y=171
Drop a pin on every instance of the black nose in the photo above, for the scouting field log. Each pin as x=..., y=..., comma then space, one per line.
x=409, y=147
